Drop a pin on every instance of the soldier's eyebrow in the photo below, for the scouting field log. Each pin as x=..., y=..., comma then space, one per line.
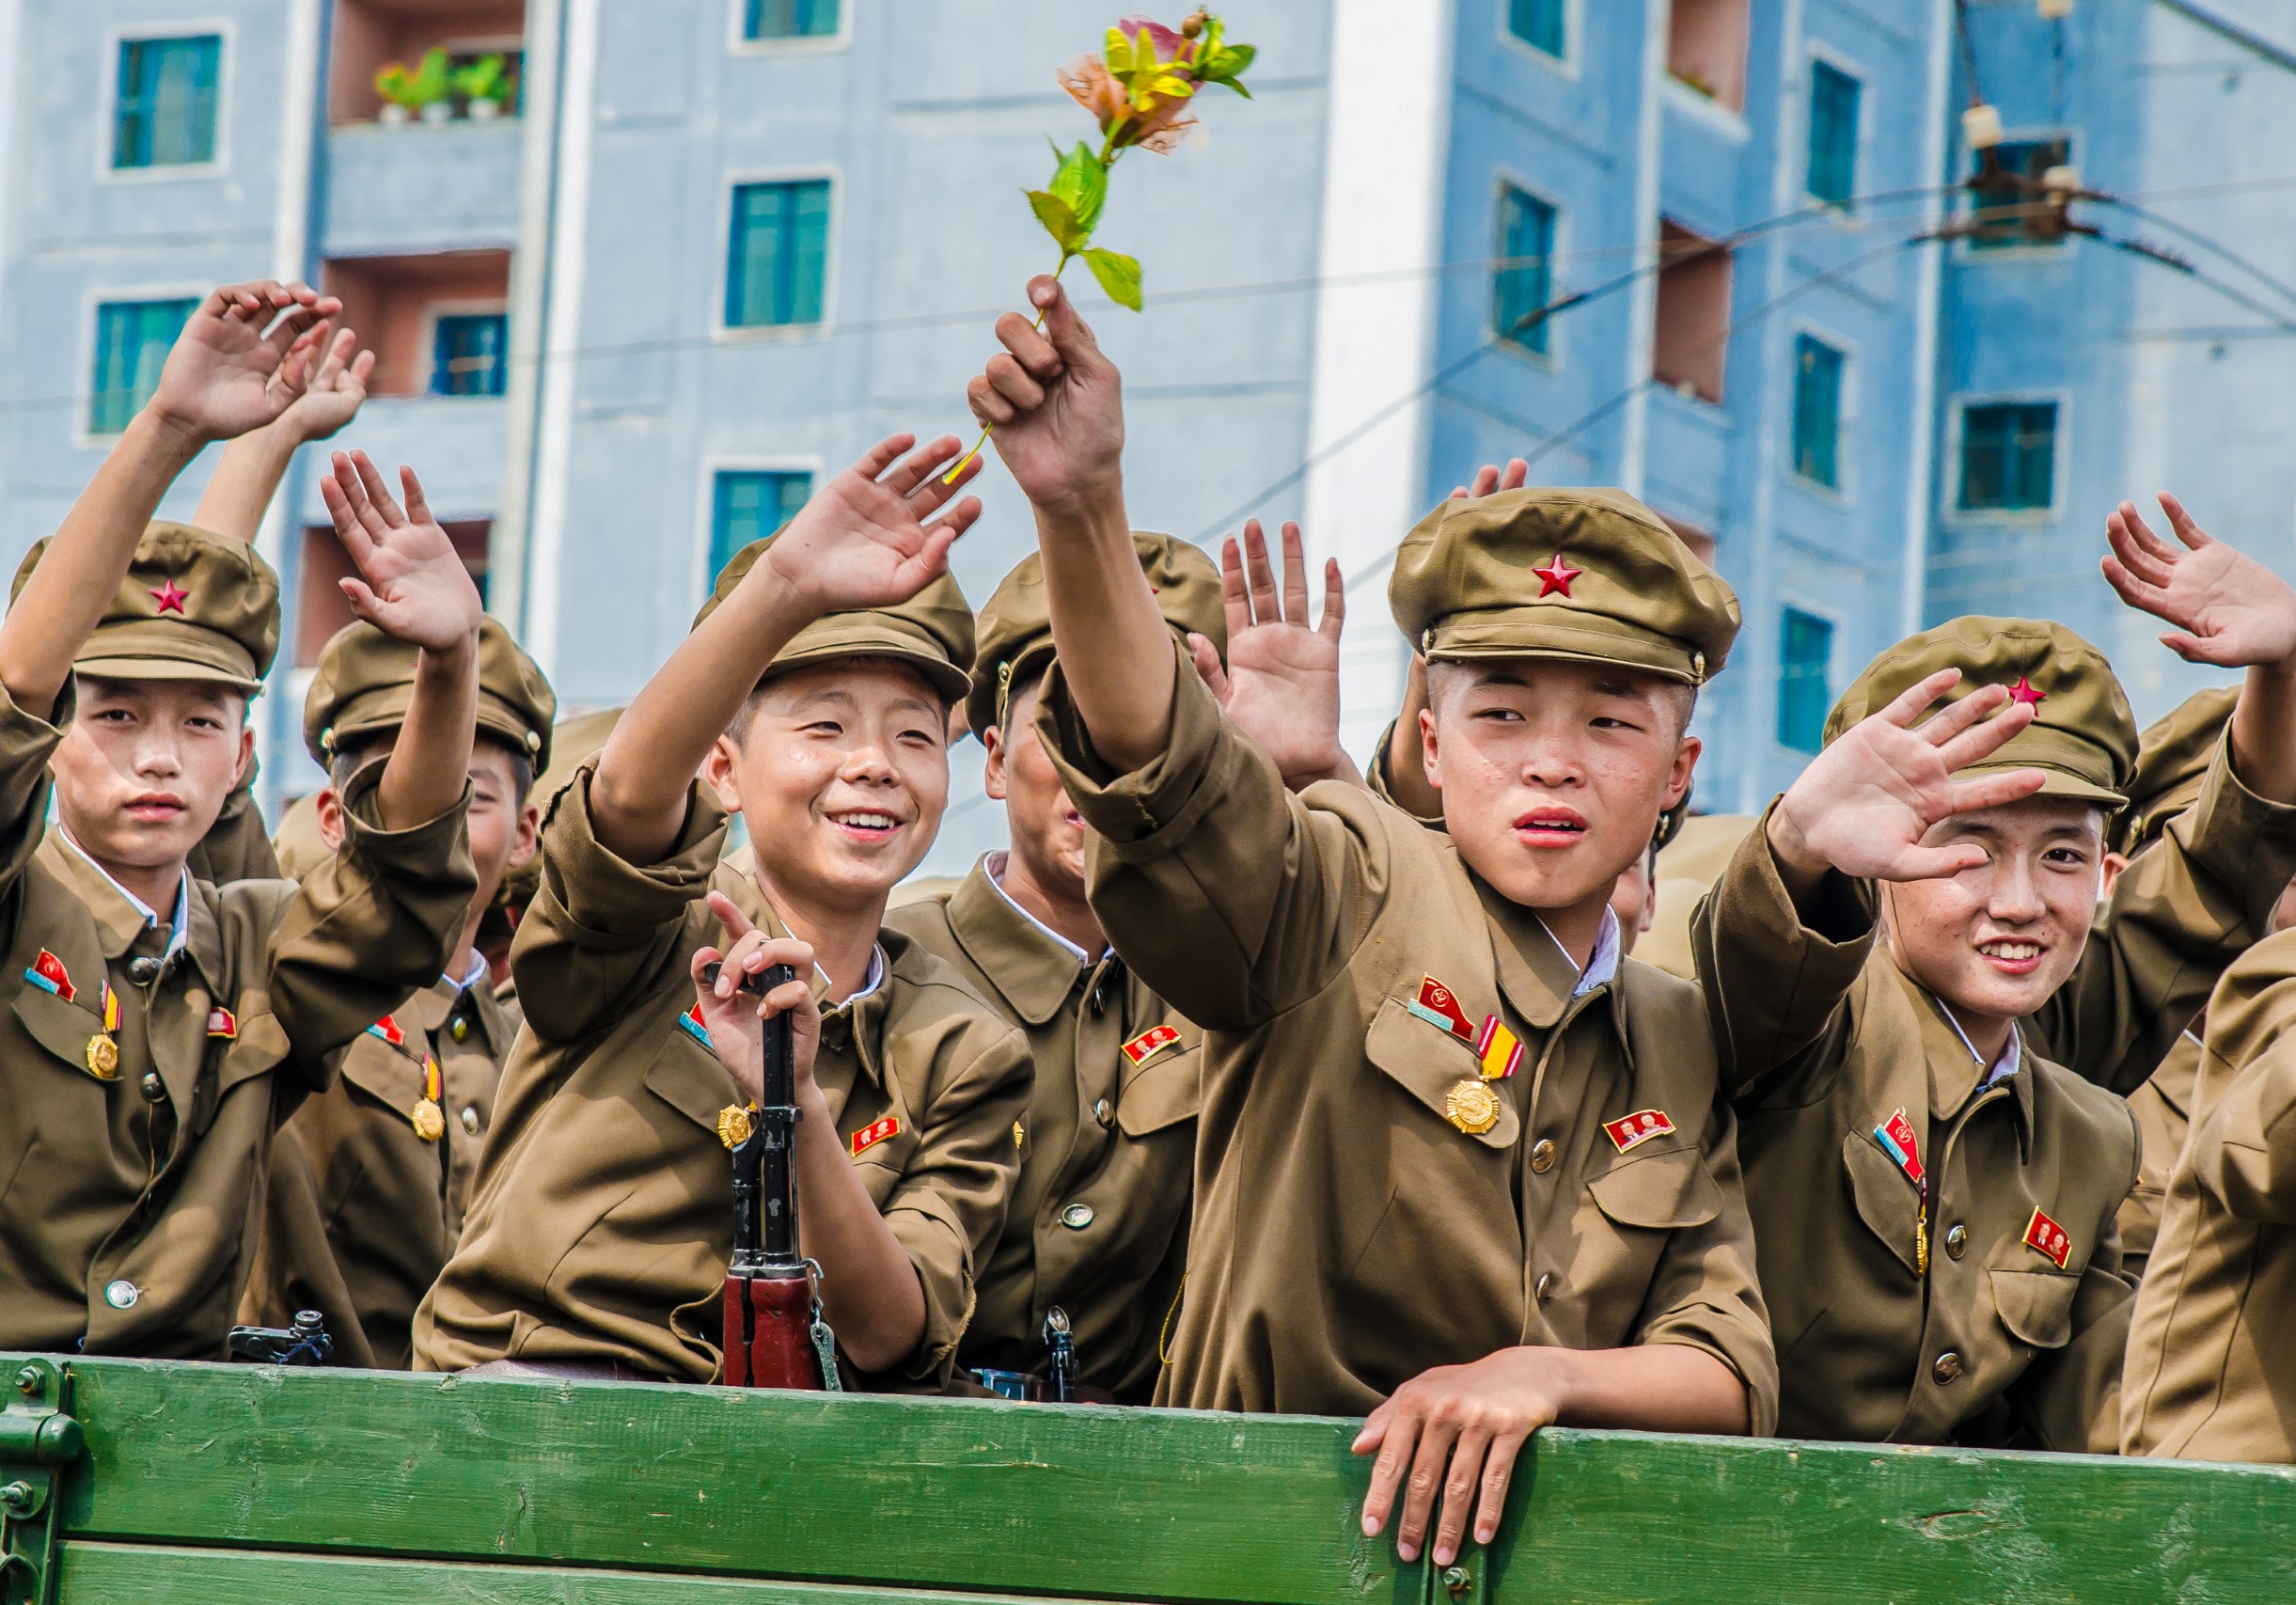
x=836, y=695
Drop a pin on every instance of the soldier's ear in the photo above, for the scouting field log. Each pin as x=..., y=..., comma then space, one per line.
x=246, y=748
x=721, y=770
x=1428, y=758
x=992, y=771
x=328, y=808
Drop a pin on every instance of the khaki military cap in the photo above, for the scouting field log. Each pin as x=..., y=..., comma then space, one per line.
x=2172, y=761
x=932, y=630
x=366, y=679
x=2083, y=736
x=196, y=606
x=1016, y=624
x=1592, y=577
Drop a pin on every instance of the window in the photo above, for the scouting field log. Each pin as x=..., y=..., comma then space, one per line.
x=1833, y=134
x=1692, y=336
x=165, y=116
x=133, y=338
x=1806, y=647
x=1705, y=50
x=2011, y=187
x=778, y=254
x=1538, y=24
x=468, y=353
x=2008, y=456
x=1524, y=278
x=1818, y=410
x=791, y=18
x=750, y=504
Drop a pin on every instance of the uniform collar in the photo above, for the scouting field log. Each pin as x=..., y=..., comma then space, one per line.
x=1956, y=1076
x=434, y=1006
x=120, y=915
x=1602, y=964
x=1034, y=967
x=1534, y=972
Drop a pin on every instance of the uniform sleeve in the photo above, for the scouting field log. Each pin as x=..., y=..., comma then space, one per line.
x=949, y=1207
x=2183, y=910
x=601, y=930
x=372, y=924
x=2243, y=1146
x=1231, y=898
x=26, y=746
x=1704, y=1294
x=1776, y=977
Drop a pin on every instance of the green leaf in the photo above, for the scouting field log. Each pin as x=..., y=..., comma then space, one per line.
x=1227, y=64
x=1058, y=220
x=1118, y=274
x=1082, y=181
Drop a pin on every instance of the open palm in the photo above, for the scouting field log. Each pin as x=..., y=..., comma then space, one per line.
x=230, y=369
x=1282, y=684
x=2228, y=609
x=868, y=539
x=338, y=387
x=410, y=583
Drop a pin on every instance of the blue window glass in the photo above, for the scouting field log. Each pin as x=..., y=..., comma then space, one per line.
x=165, y=116
x=1538, y=24
x=749, y=504
x=133, y=338
x=1806, y=647
x=779, y=254
x=469, y=353
x=2008, y=196
x=791, y=18
x=1524, y=277
x=1833, y=134
x=2009, y=456
x=1818, y=410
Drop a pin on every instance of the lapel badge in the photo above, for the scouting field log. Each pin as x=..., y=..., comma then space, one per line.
x=1472, y=1107
x=47, y=973
x=1150, y=1043
x=103, y=1057
x=111, y=1008
x=1630, y=1132
x=1897, y=1140
x=386, y=1029
x=1438, y=1006
x=734, y=1125
x=2049, y=1240
x=1499, y=1049
x=874, y=1133
x=691, y=1021
x=221, y=1023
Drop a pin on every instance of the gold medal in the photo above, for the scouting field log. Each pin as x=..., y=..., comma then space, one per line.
x=1472, y=1107
x=733, y=1126
x=429, y=1124
x=103, y=1057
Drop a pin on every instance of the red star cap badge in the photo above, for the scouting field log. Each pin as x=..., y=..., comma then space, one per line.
x=2023, y=692
x=171, y=597
x=1556, y=576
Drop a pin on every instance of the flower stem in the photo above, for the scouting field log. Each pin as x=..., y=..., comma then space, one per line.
x=951, y=477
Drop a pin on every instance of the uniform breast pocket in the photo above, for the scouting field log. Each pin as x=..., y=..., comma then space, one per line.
x=2037, y=1306
x=1659, y=1192
x=1162, y=1093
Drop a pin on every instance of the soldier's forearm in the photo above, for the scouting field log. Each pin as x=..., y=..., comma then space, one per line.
x=430, y=763
x=869, y=1289
x=1658, y=1387
x=1114, y=648
x=2264, y=732
x=245, y=481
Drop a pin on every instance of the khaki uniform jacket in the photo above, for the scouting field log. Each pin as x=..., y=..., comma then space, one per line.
x=128, y=1206
x=603, y=1215
x=362, y=1211
x=2164, y=1110
x=1348, y=1235
x=236, y=846
x=1099, y=1218
x=2211, y=1364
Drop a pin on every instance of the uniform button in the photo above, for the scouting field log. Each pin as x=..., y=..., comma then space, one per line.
x=143, y=971
x=1076, y=1217
x=123, y=1295
x=1542, y=1155
x=1546, y=1285
x=154, y=1089
x=1948, y=1366
x=1957, y=1239
x=470, y=1120
x=1105, y=1113
x=460, y=1030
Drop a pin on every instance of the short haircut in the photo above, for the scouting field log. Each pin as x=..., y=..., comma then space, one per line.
x=737, y=730
x=1443, y=673
x=360, y=750
x=231, y=694
x=1021, y=685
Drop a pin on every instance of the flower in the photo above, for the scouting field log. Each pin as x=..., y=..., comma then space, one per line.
x=1160, y=129
x=1170, y=45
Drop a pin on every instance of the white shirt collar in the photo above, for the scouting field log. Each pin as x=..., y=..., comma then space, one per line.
x=1602, y=964
x=179, y=930
x=993, y=866
x=478, y=971
x=2002, y=1068
x=875, y=978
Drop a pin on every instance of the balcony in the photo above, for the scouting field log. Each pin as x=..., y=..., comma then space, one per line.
x=448, y=188
x=480, y=45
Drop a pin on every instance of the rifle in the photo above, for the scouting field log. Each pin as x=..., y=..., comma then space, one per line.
x=774, y=1334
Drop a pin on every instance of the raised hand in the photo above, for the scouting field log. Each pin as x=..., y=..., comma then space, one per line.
x=1282, y=684
x=1864, y=803
x=1489, y=480
x=410, y=583
x=2228, y=609
x=336, y=388
x=1055, y=402
x=230, y=369
x=864, y=541
x=736, y=1024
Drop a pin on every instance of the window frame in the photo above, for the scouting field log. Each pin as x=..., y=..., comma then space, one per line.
x=1795, y=602
x=1958, y=441
x=116, y=38
x=492, y=306
x=1845, y=413
x=738, y=42
x=831, y=254
x=1833, y=60
x=1574, y=33
x=1506, y=179
x=84, y=433
x=705, y=577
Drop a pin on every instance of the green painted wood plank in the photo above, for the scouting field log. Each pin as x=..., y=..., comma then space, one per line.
x=155, y=1574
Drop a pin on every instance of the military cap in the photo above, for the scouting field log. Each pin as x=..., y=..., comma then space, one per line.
x=195, y=605
x=366, y=679
x=1016, y=624
x=1589, y=575
x=2172, y=761
x=2083, y=736
x=932, y=630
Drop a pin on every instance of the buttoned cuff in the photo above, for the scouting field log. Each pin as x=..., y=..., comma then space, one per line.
x=1835, y=937
x=1140, y=813
x=2240, y=839
x=930, y=1234
x=604, y=894
x=440, y=845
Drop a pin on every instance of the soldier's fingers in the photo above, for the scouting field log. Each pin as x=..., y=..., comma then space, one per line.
x=789, y=997
x=702, y=959
x=1260, y=575
x=1485, y=482
x=989, y=409
x=1234, y=601
x=918, y=468
x=1335, y=601
x=378, y=491
x=362, y=367
x=1994, y=791
x=882, y=456
x=1395, y=1437
x=346, y=498
x=1498, y=1470
x=2138, y=548
x=1295, y=576
x=937, y=488
x=1955, y=718
x=1917, y=697
x=1424, y=1485
x=2130, y=589
x=1975, y=746
x=417, y=504
x=2222, y=651
x=736, y=923
x=1517, y=475
x=1208, y=670
x=1012, y=381
x=1460, y=1483
x=2188, y=529
x=1027, y=345
x=1934, y=863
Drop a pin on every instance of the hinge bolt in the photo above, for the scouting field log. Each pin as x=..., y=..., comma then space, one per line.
x=28, y=1381
x=1456, y=1578
x=18, y=1498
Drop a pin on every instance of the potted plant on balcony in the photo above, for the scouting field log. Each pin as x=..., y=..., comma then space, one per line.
x=485, y=87
x=421, y=91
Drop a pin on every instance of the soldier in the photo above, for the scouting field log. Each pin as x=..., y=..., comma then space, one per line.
x=371, y=1179
x=1907, y=995
x=1098, y=1224
x=1460, y=1168
x=814, y=694
x=161, y=1026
